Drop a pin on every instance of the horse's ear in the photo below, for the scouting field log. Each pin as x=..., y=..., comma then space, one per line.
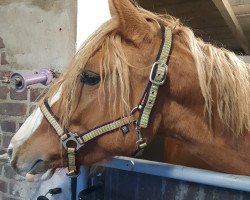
x=133, y=25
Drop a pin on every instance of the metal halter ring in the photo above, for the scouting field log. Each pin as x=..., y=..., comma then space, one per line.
x=72, y=137
x=156, y=64
x=137, y=108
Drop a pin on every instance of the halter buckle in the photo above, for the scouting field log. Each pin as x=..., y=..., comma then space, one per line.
x=156, y=64
x=72, y=137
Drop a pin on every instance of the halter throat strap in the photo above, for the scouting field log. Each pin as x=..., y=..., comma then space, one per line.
x=156, y=79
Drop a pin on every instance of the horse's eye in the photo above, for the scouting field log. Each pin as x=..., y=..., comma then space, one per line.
x=90, y=78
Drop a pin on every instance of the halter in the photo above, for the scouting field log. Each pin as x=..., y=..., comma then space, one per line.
x=157, y=77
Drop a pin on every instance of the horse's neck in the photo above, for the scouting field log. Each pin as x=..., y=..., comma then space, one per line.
x=182, y=108
x=219, y=149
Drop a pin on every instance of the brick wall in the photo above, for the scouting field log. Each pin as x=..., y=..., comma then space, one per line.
x=33, y=34
x=14, y=109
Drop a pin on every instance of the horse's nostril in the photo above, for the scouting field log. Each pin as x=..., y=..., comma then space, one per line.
x=10, y=152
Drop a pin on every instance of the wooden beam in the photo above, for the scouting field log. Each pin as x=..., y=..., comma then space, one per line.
x=241, y=9
x=238, y=2
x=228, y=14
x=246, y=59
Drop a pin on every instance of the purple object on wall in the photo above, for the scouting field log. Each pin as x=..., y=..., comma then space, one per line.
x=21, y=82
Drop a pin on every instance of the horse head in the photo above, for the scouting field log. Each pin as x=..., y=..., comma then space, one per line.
x=107, y=79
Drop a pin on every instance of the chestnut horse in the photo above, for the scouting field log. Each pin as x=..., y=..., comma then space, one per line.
x=204, y=103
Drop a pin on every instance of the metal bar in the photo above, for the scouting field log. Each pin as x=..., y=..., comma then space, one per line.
x=206, y=177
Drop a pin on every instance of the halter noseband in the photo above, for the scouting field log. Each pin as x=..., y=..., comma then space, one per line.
x=157, y=77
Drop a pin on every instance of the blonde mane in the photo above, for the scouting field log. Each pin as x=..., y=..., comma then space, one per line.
x=215, y=66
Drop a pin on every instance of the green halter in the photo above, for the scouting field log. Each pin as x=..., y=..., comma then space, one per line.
x=157, y=77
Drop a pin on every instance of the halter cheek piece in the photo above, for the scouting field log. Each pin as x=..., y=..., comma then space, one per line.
x=157, y=77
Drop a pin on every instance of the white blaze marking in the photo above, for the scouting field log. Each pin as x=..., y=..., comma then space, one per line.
x=28, y=128
x=31, y=124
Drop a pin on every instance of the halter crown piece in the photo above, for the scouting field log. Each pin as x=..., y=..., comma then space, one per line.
x=157, y=77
